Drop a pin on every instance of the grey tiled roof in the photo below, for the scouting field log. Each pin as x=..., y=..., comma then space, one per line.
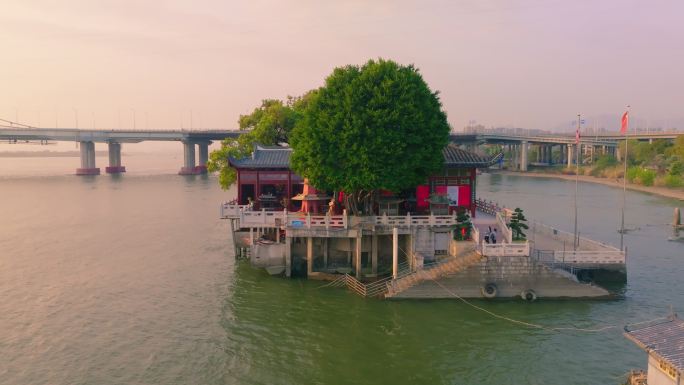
x=665, y=338
x=455, y=156
x=279, y=157
x=265, y=157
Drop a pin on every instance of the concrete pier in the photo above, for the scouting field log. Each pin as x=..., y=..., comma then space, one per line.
x=203, y=157
x=188, y=159
x=570, y=154
x=523, y=155
x=189, y=165
x=115, y=166
x=87, y=159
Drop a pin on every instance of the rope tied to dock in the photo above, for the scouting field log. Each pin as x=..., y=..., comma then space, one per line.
x=515, y=321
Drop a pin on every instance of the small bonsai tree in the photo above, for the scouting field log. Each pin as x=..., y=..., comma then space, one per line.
x=518, y=224
x=463, y=225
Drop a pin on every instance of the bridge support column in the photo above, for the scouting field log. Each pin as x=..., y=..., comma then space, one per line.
x=203, y=154
x=570, y=148
x=115, y=166
x=514, y=157
x=549, y=154
x=539, y=153
x=523, y=155
x=87, y=159
x=188, y=159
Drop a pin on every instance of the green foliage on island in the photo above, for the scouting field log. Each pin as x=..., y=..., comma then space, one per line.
x=370, y=128
x=269, y=124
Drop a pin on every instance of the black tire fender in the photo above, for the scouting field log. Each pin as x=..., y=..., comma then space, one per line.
x=489, y=290
x=528, y=295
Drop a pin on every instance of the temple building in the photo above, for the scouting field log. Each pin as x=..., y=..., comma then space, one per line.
x=265, y=180
x=292, y=228
x=411, y=240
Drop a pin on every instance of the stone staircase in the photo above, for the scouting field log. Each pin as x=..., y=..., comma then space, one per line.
x=447, y=267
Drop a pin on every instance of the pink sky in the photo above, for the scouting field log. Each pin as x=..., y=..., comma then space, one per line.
x=532, y=64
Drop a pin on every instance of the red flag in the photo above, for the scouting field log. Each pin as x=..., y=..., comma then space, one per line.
x=625, y=122
x=577, y=136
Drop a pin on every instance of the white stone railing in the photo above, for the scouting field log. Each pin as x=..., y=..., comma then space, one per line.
x=231, y=210
x=475, y=234
x=263, y=218
x=316, y=221
x=506, y=233
x=589, y=257
x=505, y=249
x=409, y=220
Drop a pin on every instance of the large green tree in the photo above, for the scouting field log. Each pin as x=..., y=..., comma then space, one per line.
x=370, y=128
x=268, y=124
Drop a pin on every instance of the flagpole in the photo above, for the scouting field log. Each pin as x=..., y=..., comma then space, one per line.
x=624, y=188
x=577, y=157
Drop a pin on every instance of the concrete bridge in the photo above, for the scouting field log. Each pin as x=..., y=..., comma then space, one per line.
x=114, y=138
x=556, y=148
x=551, y=148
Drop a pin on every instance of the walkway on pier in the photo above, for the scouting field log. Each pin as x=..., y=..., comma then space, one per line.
x=546, y=244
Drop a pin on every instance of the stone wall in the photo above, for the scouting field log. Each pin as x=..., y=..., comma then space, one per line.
x=511, y=275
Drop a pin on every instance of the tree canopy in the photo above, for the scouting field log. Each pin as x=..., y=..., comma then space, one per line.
x=370, y=128
x=269, y=124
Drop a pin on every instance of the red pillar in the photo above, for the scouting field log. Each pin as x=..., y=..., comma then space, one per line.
x=289, y=190
x=473, y=176
x=257, y=192
x=239, y=187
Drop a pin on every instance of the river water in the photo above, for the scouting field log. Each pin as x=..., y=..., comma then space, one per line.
x=131, y=280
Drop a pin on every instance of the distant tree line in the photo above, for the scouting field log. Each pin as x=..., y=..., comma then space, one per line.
x=660, y=163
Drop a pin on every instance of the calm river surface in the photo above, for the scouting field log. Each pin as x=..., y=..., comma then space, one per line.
x=131, y=280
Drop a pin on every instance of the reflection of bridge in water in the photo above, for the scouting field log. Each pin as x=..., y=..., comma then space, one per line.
x=192, y=163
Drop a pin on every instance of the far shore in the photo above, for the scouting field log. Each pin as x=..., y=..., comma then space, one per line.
x=662, y=191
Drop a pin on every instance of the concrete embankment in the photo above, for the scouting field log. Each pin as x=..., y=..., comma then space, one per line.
x=511, y=277
x=662, y=191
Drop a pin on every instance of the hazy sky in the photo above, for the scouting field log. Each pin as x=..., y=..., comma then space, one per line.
x=532, y=64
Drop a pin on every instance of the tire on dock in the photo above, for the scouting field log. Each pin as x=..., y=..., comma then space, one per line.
x=489, y=290
x=528, y=295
